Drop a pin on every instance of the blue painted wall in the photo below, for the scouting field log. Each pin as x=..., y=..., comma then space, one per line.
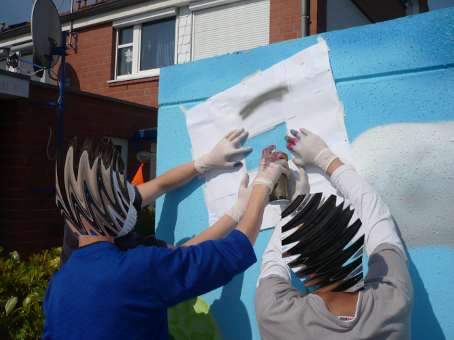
x=399, y=71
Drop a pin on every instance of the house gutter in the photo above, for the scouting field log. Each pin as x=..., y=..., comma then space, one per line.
x=304, y=18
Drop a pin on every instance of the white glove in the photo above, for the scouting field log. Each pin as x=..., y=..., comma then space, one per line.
x=308, y=148
x=223, y=155
x=272, y=166
x=298, y=183
x=237, y=211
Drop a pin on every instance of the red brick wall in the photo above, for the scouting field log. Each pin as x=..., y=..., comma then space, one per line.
x=29, y=219
x=285, y=20
x=93, y=61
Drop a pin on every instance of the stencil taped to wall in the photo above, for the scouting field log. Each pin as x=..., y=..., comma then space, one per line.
x=296, y=92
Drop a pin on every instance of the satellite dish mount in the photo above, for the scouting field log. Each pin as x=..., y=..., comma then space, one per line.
x=49, y=47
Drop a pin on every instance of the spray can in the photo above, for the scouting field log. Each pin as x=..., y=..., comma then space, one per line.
x=280, y=191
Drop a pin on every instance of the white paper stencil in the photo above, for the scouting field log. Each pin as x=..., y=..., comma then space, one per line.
x=299, y=91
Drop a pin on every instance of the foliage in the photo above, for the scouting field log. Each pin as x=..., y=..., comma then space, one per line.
x=23, y=284
x=191, y=319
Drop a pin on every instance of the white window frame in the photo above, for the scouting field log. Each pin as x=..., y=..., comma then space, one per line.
x=118, y=47
x=136, y=23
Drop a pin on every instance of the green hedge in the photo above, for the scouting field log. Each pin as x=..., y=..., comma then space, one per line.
x=23, y=284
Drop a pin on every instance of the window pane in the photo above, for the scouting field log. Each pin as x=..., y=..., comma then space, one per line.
x=124, y=61
x=157, y=44
x=125, y=36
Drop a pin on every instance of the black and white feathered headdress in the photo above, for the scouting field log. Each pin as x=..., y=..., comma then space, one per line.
x=321, y=241
x=92, y=192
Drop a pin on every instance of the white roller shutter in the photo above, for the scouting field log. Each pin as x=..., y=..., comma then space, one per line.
x=234, y=27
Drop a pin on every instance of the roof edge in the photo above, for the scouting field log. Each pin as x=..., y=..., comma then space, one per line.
x=92, y=10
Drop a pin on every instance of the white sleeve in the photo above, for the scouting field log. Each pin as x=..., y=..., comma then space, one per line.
x=377, y=222
x=272, y=262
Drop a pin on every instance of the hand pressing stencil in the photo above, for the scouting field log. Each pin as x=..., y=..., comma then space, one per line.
x=223, y=155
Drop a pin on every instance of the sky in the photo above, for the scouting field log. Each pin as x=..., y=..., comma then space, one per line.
x=15, y=11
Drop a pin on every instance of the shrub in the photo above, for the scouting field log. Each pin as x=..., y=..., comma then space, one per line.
x=191, y=319
x=23, y=284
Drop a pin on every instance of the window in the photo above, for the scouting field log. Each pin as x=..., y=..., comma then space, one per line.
x=124, y=54
x=157, y=44
x=144, y=48
x=229, y=28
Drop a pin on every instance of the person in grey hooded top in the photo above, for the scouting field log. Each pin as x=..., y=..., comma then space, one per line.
x=380, y=310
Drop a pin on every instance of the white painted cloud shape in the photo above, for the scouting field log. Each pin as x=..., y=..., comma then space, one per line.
x=412, y=166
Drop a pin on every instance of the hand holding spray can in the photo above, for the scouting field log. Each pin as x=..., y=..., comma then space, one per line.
x=280, y=191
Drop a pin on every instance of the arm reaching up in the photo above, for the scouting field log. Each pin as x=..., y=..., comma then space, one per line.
x=272, y=261
x=271, y=168
x=229, y=221
x=379, y=227
x=168, y=181
x=207, y=263
x=220, y=157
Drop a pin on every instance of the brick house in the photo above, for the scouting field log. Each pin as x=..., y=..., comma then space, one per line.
x=118, y=46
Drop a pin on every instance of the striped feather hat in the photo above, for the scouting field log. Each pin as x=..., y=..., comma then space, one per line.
x=322, y=242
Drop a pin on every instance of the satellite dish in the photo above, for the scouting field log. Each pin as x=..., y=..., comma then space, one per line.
x=46, y=32
x=49, y=44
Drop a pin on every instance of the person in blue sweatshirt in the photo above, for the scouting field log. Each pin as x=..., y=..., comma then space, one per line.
x=103, y=292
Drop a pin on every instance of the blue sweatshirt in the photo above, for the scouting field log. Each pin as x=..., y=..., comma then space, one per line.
x=105, y=293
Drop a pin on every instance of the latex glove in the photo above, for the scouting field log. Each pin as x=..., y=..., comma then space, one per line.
x=272, y=166
x=298, y=183
x=237, y=211
x=309, y=149
x=223, y=155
